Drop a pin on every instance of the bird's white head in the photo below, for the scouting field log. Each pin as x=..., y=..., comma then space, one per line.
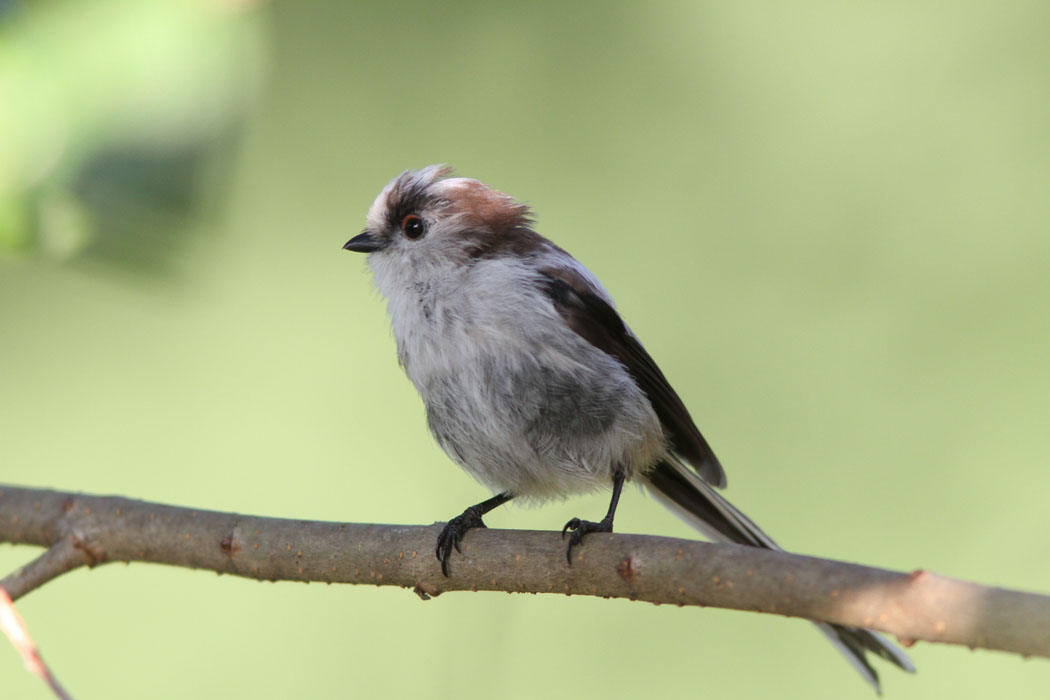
x=425, y=222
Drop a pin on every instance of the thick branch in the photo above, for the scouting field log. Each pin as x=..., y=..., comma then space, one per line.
x=915, y=606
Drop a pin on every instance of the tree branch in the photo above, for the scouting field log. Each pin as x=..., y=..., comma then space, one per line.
x=64, y=555
x=94, y=530
x=12, y=625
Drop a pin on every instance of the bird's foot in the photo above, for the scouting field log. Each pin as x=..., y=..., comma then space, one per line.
x=581, y=528
x=453, y=533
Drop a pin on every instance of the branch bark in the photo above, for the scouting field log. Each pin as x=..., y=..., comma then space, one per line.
x=88, y=530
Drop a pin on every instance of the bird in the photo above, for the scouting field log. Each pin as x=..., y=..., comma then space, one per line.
x=531, y=380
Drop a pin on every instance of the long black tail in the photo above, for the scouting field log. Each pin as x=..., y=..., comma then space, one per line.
x=699, y=505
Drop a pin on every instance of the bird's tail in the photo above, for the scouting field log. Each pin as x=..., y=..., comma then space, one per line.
x=699, y=505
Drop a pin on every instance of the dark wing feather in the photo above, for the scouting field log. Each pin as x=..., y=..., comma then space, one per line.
x=598, y=323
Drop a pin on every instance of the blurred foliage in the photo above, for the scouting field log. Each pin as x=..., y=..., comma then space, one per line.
x=827, y=221
x=111, y=114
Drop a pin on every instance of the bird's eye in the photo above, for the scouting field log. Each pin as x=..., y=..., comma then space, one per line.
x=413, y=226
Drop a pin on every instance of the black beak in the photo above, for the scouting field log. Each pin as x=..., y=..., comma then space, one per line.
x=364, y=243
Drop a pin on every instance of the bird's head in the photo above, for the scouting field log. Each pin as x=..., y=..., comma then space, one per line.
x=424, y=220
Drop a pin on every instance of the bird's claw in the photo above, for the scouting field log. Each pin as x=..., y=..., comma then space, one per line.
x=452, y=534
x=581, y=528
x=571, y=525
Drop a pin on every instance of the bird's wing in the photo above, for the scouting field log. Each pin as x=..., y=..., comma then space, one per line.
x=597, y=322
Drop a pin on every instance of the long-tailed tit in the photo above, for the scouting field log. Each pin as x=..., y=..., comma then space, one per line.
x=532, y=382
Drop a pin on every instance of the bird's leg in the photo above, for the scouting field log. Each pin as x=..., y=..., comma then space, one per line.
x=580, y=528
x=456, y=528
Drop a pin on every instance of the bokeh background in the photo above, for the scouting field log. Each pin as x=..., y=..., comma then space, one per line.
x=829, y=222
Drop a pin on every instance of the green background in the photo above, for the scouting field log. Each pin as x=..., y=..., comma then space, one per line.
x=829, y=222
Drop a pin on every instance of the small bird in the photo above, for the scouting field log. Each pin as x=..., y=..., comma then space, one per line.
x=531, y=380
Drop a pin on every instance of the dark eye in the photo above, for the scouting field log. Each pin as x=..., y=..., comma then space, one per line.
x=413, y=226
